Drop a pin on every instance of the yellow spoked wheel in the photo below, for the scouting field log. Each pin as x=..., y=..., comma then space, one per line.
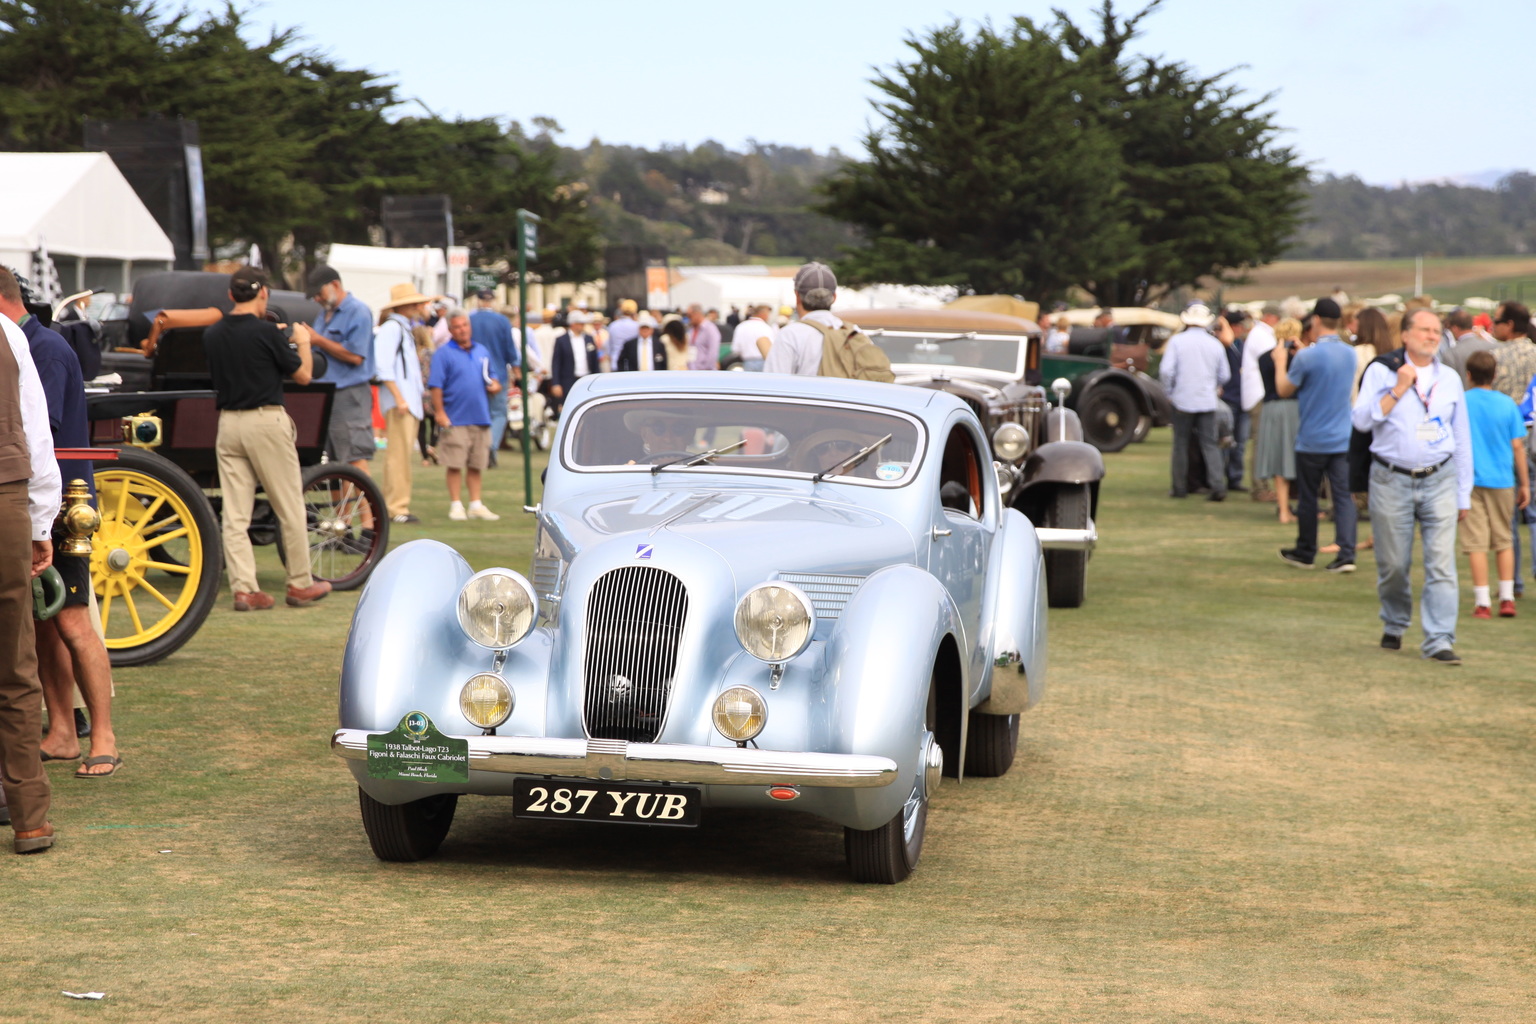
x=156, y=559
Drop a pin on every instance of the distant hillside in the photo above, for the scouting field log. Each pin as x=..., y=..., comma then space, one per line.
x=1349, y=219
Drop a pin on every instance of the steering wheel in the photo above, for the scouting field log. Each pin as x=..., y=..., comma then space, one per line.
x=816, y=452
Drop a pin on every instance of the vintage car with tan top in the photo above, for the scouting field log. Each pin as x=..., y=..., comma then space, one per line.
x=1045, y=468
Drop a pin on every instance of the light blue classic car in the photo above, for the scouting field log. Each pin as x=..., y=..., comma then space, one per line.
x=748, y=590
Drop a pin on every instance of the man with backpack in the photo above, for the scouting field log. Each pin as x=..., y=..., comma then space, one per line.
x=819, y=343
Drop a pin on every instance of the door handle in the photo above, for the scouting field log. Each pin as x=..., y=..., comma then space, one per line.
x=939, y=532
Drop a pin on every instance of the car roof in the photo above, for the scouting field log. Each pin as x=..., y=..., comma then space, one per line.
x=917, y=401
x=1125, y=316
x=953, y=321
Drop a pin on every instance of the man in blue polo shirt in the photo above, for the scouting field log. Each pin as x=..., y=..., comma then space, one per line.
x=463, y=388
x=493, y=332
x=345, y=335
x=1321, y=377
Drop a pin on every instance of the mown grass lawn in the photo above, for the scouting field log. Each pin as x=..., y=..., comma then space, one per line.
x=1232, y=806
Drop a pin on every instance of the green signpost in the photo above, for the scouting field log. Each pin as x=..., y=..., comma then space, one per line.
x=527, y=252
x=479, y=279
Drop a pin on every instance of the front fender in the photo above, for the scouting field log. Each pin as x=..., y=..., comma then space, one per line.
x=1018, y=649
x=405, y=652
x=1063, y=462
x=1112, y=376
x=879, y=664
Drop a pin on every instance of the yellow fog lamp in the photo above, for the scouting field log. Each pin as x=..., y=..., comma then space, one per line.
x=486, y=700
x=497, y=608
x=774, y=622
x=740, y=714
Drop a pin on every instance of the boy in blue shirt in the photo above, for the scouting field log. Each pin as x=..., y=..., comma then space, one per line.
x=1498, y=461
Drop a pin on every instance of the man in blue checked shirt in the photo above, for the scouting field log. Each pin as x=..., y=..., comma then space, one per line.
x=344, y=333
x=1421, y=473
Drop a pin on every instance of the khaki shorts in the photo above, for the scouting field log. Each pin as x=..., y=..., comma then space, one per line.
x=1489, y=525
x=464, y=447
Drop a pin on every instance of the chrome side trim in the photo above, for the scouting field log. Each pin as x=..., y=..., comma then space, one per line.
x=654, y=762
x=1053, y=539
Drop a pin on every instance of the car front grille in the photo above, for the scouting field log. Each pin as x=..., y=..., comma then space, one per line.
x=634, y=624
x=829, y=593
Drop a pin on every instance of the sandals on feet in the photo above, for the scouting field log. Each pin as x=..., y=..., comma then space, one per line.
x=91, y=762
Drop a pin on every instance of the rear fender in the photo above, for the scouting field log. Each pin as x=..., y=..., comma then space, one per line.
x=1114, y=377
x=880, y=660
x=1018, y=654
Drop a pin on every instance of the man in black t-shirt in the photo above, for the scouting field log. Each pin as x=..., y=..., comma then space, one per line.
x=248, y=357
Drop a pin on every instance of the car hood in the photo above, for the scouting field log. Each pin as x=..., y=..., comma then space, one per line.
x=758, y=532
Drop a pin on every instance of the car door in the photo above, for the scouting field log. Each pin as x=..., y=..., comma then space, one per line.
x=964, y=525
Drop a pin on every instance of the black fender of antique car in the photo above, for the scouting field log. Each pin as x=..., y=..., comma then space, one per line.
x=1114, y=376
x=1057, y=464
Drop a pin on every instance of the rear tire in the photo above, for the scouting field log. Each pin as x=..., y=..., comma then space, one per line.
x=341, y=552
x=990, y=744
x=1066, y=572
x=1110, y=415
x=407, y=832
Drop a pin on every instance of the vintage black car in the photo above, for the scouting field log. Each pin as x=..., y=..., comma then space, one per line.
x=1044, y=466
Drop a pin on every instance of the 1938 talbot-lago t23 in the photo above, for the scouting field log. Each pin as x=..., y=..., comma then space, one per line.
x=748, y=591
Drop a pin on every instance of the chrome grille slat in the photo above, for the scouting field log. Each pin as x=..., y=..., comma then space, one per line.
x=634, y=625
x=829, y=592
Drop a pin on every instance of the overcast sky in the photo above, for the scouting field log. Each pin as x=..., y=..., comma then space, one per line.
x=1390, y=90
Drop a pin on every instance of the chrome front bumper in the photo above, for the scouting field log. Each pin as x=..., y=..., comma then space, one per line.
x=1068, y=540
x=654, y=762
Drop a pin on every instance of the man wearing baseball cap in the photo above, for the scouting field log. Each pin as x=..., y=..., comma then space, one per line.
x=1321, y=377
x=797, y=349
x=345, y=334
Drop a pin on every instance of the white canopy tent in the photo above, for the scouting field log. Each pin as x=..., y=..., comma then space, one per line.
x=78, y=209
x=369, y=271
x=722, y=291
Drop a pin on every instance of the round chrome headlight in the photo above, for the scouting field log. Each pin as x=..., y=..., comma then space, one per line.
x=740, y=714
x=497, y=608
x=774, y=621
x=1010, y=441
x=486, y=700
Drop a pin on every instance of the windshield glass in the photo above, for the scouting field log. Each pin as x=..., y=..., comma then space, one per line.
x=774, y=436
x=999, y=353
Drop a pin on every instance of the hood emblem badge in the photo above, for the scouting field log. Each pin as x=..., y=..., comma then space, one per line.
x=643, y=551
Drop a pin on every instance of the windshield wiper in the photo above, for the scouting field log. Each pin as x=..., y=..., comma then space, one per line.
x=694, y=460
x=852, y=461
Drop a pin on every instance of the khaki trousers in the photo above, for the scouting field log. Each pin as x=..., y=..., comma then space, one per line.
x=399, y=451
x=21, y=695
x=258, y=446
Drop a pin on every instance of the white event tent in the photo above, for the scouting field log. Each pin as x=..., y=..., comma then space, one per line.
x=369, y=271
x=78, y=209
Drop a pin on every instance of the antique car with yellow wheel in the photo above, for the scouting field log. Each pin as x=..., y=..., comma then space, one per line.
x=767, y=592
x=157, y=556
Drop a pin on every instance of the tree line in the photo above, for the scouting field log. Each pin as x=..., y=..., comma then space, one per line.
x=1030, y=158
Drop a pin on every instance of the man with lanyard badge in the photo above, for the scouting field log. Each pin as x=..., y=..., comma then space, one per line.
x=1421, y=473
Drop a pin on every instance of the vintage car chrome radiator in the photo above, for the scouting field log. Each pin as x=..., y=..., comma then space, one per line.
x=635, y=618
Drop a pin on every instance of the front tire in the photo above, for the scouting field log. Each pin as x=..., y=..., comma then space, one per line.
x=1066, y=572
x=888, y=854
x=407, y=832
x=1110, y=417
x=341, y=551
x=990, y=743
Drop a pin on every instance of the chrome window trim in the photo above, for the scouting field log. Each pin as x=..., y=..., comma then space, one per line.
x=918, y=456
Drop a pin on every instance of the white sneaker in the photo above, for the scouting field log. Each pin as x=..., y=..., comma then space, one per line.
x=479, y=511
x=456, y=512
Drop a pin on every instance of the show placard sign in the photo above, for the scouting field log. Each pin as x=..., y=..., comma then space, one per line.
x=416, y=751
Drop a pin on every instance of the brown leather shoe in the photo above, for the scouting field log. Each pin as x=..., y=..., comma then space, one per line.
x=298, y=598
x=254, y=602
x=34, y=840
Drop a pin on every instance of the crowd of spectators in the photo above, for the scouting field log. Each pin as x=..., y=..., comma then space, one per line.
x=1419, y=421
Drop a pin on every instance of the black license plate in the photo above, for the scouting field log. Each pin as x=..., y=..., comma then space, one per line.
x=630, y=803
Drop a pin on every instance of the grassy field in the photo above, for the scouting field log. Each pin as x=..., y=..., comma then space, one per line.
x=1232, y=806
x=1448, y=280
